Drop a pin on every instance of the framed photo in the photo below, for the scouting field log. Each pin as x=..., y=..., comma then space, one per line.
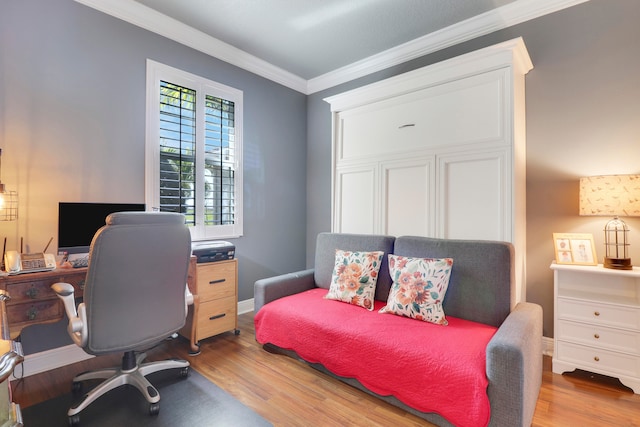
x=575, y=248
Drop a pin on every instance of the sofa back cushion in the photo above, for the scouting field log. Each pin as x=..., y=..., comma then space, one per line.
x=327, y=243
x=482, y=283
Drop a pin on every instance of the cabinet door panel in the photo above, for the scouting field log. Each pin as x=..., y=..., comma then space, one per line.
x=408, y=191
x=473, y=199
x=355, y=210
x=469, y=110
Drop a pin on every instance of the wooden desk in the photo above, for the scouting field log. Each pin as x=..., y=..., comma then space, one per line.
x=33, y=301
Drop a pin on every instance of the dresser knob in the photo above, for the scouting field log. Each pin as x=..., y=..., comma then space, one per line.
x=32, y=292
x=596, y=313
x=32, y=313
x=596, y=336
x=597, y=359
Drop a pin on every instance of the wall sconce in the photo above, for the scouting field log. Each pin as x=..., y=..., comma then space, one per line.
x=612, y=195
x=8, y=200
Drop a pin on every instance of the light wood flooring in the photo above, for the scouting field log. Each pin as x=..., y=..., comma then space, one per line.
x=288, y=393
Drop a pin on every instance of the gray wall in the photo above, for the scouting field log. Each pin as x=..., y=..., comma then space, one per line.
x=72, y=128
x=582, y=119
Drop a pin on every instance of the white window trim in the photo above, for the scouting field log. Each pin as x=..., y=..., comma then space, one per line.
x=155, y=73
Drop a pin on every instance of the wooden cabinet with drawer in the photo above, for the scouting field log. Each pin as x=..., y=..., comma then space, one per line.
x=32, y=300
x=215, y=307
x=597, y=321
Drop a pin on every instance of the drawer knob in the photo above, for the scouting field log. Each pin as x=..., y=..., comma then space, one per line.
x=597, y=359
x=596, y=313
x=32, y=313
x=32, y=292
x=81, y=284
x=596, y=336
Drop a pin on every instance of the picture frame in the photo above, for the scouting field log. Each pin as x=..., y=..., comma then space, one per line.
x=575, y=248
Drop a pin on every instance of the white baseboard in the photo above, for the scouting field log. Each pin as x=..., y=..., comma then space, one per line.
x=245, y=306
x=51, y=359
x=547, y=346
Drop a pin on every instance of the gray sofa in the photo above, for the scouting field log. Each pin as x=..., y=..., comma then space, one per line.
x=481, y=289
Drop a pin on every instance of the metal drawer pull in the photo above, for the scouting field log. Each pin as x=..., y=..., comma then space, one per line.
x=597, y=359
x=596, y=336
x=596, y=313
x=408, y=125
x=32, y=313
x=217, y=316
x=213, y=282
x=32, y=292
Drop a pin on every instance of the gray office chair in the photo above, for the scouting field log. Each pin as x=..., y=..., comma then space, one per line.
x=135, y=296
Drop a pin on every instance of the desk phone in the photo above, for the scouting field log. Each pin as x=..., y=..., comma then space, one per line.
x=16, y=263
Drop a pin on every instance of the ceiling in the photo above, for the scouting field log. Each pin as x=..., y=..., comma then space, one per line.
x=310, y=45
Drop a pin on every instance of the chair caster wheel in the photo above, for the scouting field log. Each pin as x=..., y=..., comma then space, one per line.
x=237, y=332
x=154, y=408
x=74, y=420
x=76, y=388
x=184, y=372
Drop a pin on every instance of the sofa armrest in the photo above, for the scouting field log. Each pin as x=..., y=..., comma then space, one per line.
x=272, y=288
x=514, y=367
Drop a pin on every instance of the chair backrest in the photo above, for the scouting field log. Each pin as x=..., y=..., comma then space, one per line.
x=135, y=287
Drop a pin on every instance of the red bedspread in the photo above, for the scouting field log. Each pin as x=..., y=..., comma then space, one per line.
x=429, y=367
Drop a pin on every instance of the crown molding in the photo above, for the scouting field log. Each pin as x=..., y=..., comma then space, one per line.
x=503, y=17
x=149, y=19
x=494, y=20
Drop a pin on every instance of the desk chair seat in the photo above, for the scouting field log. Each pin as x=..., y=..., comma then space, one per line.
x=135, y=296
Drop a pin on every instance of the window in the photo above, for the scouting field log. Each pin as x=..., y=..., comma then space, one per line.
x=194, y=151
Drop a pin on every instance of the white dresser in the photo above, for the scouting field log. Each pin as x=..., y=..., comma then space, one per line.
x=597, y=321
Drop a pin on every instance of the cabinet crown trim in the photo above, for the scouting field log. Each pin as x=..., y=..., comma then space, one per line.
x=512, y=53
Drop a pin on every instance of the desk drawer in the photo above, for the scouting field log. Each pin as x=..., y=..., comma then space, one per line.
x=216, y=280
x=36, y=312
x=30, y=289
x=215, y=317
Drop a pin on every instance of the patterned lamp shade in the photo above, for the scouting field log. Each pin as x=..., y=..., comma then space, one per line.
x=612, y=195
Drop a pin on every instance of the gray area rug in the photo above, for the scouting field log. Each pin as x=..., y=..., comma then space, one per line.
x=191, y=401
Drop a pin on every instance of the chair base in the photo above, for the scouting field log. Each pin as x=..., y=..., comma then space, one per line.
x=135, y=376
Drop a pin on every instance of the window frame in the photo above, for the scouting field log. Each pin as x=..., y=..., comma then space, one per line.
x=157, y=72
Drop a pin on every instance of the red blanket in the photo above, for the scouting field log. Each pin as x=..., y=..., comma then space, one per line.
x=429, y=367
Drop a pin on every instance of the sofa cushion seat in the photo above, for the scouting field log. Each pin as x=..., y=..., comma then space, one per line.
x=429, y=367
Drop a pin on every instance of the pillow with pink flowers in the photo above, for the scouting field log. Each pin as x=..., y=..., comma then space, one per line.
x=354, y=277
x=418, y=289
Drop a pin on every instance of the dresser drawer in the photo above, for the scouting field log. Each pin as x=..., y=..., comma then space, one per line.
x=599, y=313
x=598, y=360
x=30, y=289
x=216, y=316
x=36, y=312
x=216, y=280
x=608, y=338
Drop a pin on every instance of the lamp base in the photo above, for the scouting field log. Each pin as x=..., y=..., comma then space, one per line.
x=618, y=263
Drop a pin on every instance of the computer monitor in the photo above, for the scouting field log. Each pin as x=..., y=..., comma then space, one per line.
x=78, y=222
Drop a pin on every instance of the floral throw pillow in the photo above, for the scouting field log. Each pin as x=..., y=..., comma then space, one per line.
x=418, y=289
x=354, y=277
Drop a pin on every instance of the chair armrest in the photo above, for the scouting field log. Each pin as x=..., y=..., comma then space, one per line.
x=272, y=288
x=77, y=326
x=514, y=366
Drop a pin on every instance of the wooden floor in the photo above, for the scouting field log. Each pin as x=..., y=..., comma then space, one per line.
x=289, y=393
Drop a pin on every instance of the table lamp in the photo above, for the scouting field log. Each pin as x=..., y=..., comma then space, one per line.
x=612, y=195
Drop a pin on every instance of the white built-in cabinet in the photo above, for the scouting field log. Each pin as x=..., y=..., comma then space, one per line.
x=438, y=151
